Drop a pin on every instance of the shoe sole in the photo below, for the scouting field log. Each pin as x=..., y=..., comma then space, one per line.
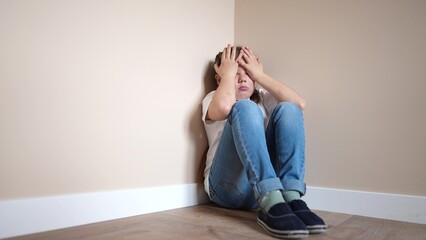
x=283, y=233
x=316, y=229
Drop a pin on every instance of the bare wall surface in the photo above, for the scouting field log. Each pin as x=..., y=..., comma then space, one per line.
x=361, y=66
x=103, y=95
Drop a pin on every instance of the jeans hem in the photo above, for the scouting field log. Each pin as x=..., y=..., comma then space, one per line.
x=295, y=185
x=267, y=185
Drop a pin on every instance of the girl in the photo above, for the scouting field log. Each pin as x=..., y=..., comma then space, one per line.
x=248, y=167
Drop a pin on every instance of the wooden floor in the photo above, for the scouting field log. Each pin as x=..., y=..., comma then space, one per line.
x=212, y=222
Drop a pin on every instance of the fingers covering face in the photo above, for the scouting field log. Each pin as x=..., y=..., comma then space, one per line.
x=229, y=52
x=248, y=54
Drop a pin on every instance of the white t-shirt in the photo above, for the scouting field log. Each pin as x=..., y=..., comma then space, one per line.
x=214, y=129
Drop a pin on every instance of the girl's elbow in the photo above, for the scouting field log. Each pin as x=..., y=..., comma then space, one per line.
x=302, y=104
x=220, y=112
x=224, y=110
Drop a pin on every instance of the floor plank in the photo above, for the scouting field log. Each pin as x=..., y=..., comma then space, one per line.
x=209, y=221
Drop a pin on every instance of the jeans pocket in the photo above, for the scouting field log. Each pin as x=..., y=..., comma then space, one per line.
x=226, y=194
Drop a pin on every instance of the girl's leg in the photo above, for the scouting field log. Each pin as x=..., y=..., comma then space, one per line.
x=241, y=171
x=286, y=144
x=285, y=136
x=242, y=176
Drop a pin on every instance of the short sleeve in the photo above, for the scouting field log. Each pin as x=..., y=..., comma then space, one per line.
x=205, y=106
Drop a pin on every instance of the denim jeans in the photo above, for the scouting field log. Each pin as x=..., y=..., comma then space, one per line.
x=250, y=162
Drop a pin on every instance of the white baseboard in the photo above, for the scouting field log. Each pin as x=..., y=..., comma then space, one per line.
x=370, y=204
x=26, y=216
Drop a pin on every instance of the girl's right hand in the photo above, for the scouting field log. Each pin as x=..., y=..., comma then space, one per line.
x=229, y=63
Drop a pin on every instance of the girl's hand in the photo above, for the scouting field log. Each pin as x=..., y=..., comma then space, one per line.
x=229, y=66
x=251, y=64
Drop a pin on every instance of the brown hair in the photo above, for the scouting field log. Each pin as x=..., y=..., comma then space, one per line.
x=255, y=97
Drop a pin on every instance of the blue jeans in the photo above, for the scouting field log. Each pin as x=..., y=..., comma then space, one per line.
x=250, y=162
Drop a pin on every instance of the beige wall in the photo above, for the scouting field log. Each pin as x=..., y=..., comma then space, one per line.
x=103, y=95
x=361, y=66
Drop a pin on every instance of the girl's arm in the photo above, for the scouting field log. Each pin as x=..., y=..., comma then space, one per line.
x=280, y=91
x=224, y=97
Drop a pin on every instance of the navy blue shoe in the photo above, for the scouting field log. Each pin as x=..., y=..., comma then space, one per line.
x=313, y=223
x=281, y=222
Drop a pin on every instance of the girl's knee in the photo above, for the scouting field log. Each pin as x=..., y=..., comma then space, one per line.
x=288, y=108
x=286, y=111
x=245, y=103
x=248, y=107
x=247, y=110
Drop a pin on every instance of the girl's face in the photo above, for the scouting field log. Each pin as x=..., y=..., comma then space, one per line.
x=244, y=85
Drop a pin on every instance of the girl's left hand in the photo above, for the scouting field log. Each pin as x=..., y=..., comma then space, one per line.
x=251, y=64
